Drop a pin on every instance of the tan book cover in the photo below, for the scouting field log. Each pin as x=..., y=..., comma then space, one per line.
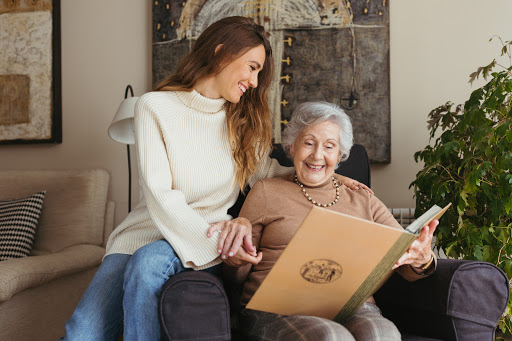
x=333, y=264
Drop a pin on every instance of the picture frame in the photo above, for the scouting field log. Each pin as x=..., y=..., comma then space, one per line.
x=30, y=72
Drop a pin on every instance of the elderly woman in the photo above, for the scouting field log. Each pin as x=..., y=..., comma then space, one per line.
x=318, y=137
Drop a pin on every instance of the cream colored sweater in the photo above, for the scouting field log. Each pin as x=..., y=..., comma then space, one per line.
x=187, y=175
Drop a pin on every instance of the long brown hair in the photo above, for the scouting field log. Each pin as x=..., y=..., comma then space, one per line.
x=249, y=121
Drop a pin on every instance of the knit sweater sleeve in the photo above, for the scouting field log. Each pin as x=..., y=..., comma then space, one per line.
x=178, y=223
x=254, y=209
x=382, y=215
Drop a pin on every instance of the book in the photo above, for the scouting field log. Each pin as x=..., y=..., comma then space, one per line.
x=331, y=265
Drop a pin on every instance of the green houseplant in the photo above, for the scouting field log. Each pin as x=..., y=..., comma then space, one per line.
x=469, y=164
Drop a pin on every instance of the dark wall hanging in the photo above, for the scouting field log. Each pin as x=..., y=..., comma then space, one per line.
x=30, y=72
x=324, y=50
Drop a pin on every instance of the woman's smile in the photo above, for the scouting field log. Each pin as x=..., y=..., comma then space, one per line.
x=242, y=87
x=316, y=153
x=314, y=168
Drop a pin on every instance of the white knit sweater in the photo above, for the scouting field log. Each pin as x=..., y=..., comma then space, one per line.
x=187, y=175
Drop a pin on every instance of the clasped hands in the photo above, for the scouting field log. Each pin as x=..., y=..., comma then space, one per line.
x=235, y=242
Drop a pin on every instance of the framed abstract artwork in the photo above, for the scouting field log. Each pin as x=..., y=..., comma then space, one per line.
x=30, y=72
x=324, y=50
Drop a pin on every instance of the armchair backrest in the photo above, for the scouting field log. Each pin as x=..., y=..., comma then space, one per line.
x=73, y=209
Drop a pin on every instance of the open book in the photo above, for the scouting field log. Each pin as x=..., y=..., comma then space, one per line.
x=334, y=263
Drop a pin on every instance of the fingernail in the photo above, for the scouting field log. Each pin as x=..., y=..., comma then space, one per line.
x=219, y=251
x=231, y=254
x=223, y=257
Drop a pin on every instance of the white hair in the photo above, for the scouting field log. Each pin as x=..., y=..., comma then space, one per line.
x=311, y=113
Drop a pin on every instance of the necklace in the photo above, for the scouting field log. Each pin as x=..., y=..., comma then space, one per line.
x=334, y=183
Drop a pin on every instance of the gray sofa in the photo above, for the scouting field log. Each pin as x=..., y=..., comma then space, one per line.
x=38, y=293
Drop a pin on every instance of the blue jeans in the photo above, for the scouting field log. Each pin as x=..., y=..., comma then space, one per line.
x=123, y=295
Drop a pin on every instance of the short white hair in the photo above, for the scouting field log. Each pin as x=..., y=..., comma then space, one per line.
x=311, y=113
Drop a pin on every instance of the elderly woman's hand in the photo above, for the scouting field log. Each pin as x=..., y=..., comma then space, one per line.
x=233, y=233
x=420, y=252
x=242, y=258
x=354, y=184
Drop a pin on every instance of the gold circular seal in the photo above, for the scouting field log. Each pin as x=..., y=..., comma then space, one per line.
x=321, y=271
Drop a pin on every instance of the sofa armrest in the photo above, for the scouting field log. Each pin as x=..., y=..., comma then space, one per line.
x=19, y=274
x=462, y=300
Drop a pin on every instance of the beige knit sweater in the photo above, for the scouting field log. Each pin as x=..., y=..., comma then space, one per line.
x=187, y=175
x=276, y=209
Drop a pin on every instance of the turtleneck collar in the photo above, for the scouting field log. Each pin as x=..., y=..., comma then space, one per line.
x=195, y=100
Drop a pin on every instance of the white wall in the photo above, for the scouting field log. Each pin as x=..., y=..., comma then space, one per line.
x=435, y=45
x=106, y=45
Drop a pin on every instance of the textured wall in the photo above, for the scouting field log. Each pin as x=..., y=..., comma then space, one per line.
x=331, y=50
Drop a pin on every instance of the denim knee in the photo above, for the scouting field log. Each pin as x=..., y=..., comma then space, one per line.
x=153, y=262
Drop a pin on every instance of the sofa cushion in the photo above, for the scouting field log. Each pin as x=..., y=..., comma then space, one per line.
x=74, y=205
x=18, y=222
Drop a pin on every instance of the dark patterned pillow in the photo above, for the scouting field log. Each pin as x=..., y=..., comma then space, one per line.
x=18, y=223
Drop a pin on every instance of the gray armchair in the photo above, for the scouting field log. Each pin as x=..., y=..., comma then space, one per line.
x=462, y=301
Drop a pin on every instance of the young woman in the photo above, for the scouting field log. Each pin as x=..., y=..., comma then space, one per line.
x=200, y=137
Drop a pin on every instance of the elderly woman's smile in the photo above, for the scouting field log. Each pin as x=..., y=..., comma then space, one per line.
x=316, y=152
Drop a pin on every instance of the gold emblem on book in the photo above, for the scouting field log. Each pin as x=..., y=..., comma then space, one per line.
x=321, y=271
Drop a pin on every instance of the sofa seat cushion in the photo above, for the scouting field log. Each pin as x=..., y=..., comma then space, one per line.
x=18, y=222
x=22, y=273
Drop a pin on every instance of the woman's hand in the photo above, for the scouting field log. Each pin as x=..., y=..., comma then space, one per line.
x=354, y=184
x=233, y=233
x=242, y=258
x=420, y=252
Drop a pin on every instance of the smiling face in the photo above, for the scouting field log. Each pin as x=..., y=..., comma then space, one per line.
x=316, y=152
x=239, y=75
